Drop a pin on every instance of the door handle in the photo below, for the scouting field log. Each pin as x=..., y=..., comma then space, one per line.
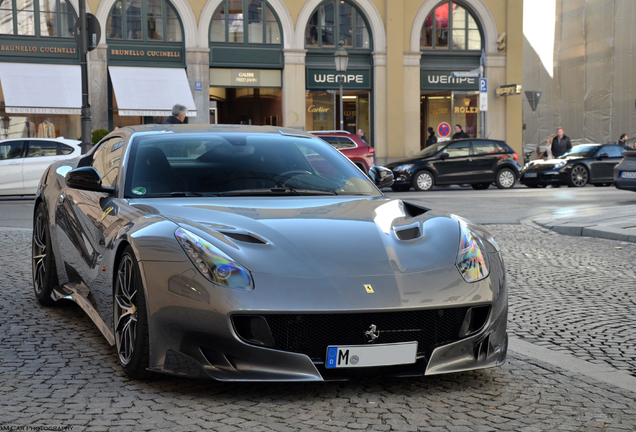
x=14, y=163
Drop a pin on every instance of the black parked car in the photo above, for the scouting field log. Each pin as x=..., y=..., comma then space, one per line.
x=625, y=171
x=585, y=163
x=478, y=162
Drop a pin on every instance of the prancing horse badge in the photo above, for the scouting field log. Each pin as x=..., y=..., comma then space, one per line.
x=369, y=289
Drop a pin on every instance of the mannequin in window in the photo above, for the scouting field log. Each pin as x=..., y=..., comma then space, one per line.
x=46, y=129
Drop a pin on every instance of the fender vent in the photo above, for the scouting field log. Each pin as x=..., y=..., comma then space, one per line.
x=409, y=233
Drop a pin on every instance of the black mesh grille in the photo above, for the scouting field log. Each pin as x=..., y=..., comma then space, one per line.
x=310, y=334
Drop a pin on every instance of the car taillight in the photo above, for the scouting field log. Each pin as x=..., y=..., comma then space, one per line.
x=371, y=149
x=514, y=155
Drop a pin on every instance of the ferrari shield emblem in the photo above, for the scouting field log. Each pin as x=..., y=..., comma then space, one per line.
x=369, y=289
x=108, y=210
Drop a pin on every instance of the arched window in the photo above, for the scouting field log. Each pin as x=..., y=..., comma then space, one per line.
x=144, y=20
x=45, y=18
x=246, y=22
x=451, y=27
x=334, y=21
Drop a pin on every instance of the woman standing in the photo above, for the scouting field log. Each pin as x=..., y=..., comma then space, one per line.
x=548, y=149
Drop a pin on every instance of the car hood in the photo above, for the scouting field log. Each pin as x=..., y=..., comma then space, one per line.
x=318, y=236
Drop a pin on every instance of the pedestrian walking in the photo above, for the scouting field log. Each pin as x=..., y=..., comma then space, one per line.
x=547, y=153
x=561, y=144
x=623, y=140
x=459, y=132
x=362, y=136
x=432, y=139
x=178, y=115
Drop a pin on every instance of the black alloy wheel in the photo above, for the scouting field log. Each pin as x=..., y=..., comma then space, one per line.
x=43, y=262
x=505, y=178
x=423, y=181
x=578, y=176
x=480, y=186
x=130, y=318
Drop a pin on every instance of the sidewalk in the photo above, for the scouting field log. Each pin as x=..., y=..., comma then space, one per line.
x=614, y=223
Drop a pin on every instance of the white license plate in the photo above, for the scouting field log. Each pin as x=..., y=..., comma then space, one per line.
x=352, y=356
x=628, y=174
x=530, y=175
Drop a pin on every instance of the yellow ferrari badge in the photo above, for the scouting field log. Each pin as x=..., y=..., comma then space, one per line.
x=108, y=210
x=369, y=289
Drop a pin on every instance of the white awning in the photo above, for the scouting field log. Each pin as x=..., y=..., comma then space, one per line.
x=144, y=91
x=41, y=88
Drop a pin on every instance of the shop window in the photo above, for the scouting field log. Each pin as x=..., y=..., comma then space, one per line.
x=334, y=21
x=451, y=26
x=150, y=20
x=44, y=18
x=245, y=22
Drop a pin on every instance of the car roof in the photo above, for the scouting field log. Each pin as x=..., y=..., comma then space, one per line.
x=181, y=128
x=59, y=139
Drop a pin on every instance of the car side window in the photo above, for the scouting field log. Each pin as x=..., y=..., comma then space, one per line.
x=612, y=151
x=332, y=140
x=106, y=160
x=346, y=143
x=41, y=149
x=10, y=150
x=64, y=149
x=458, y=149
x=485, y=147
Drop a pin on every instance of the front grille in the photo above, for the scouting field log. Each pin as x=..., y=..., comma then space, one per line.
x=310, y=334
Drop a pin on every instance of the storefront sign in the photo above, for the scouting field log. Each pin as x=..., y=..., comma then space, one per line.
x=324, y=79
x=246, y=78
x=42, y=50
x=507, y=90
x=137, y=54
x=443, y=80
x=40, y=110
x=466, y=110
x=251, y=78
x=318, y=109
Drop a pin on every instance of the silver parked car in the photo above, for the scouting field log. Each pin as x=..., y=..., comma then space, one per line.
x=263, y=254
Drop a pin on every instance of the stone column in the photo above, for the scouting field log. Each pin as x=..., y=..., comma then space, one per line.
x=379, y=137
x=496, y=115
x=294, y=87
x=412, y=106
x=198, y=69
x=395, y=77
x=98, y=86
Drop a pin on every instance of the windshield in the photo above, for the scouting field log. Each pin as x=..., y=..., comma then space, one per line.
x=232, y=164
x=430, y=150
x=580, y=151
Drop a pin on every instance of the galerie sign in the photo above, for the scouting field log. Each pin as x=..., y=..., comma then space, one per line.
x=443, y=80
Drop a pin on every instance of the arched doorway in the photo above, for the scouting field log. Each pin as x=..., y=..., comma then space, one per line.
x=451, y=40
x=331, y=22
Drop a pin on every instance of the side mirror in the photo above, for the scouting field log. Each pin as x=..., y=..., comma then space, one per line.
x=382, y=177
x=444, y=156
x=603, y=156
x=86, y=178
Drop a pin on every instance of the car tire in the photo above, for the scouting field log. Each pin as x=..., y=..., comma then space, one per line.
x=505, y=178
x=480, y=186
x=130, y=318
x=423, y=181
x=401, y=188
x=43, y=262
x=578, y=177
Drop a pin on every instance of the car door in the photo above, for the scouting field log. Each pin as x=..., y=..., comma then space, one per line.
x=603, y=167
x=11, y=160
x=484, y=161
x=454, y=168
x=40, y=154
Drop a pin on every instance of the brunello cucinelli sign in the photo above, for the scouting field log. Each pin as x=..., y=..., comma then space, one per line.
x=324, y=79
x=443, y=80
x=119, y=53
x=66, y=50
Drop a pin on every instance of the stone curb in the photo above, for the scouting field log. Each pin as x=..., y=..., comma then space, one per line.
x=612, y=229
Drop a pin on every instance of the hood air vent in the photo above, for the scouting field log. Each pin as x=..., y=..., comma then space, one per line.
x=245, y=238
x=410, y=233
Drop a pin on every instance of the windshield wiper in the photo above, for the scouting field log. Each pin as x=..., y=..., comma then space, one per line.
x=277, y=191
x=175, y=194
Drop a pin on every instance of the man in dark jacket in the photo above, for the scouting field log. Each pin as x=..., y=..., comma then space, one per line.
x=178, y=115
x=459, y=133
x=561, y=144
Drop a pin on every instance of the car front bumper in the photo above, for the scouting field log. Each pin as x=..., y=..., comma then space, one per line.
x=552, y=177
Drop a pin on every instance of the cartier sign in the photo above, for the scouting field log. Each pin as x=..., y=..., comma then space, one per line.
x=318, y=109
x=443, y=80
x=324, y=79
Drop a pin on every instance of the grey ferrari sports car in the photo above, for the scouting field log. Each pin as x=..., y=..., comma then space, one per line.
x=262, y=254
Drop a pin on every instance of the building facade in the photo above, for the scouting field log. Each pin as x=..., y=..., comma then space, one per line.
x=269, y=62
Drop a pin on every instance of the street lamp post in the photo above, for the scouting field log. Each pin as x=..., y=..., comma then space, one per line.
x=341, y=58
x=87, y=139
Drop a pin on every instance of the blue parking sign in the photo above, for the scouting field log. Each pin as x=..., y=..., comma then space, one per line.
x=483, y=85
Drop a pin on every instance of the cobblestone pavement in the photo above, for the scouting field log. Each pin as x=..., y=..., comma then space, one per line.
x=568, y=293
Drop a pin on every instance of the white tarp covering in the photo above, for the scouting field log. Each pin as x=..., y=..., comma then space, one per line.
x=41, y=88
x=143, y=91
x=591, y=91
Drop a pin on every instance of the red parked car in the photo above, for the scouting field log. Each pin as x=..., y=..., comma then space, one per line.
x=350, y=145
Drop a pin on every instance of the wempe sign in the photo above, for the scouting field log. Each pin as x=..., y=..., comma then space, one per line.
x=443, y=80
x=328, y=79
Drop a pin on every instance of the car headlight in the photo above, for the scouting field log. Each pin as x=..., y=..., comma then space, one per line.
x=471, y=261
x=213, y=264
x=404, y=167
x=559, y=165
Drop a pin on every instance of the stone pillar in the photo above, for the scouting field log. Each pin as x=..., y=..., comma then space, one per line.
x=198, y=69
x=379, y=137
x=294, y=88
x=98, y=86
x=395, y=77
x=412, y=106
x=496, y=115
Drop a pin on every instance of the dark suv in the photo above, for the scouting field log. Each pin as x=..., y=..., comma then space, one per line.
x=478, y=162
